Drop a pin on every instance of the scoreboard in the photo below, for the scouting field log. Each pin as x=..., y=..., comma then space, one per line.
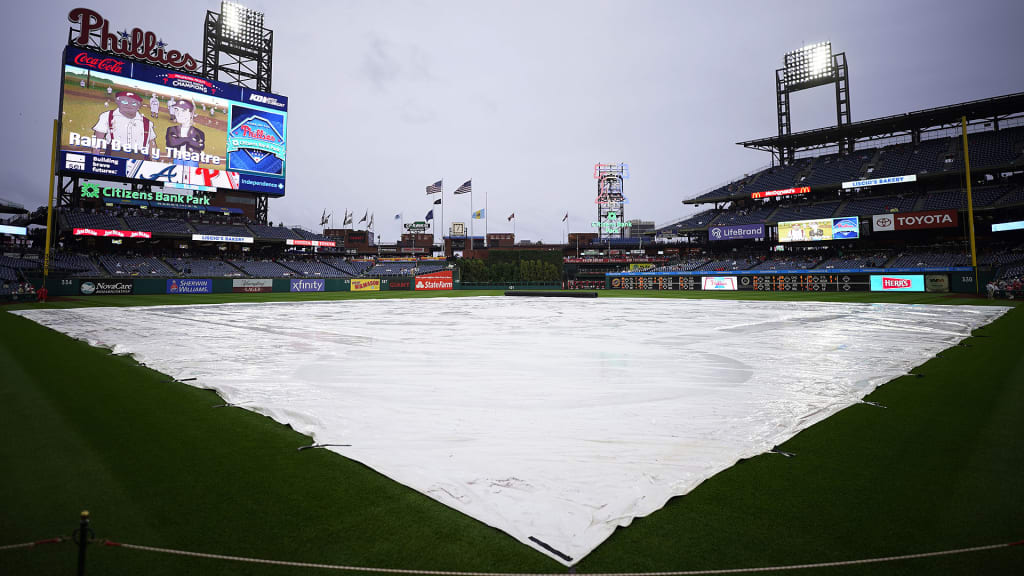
x=753, y=282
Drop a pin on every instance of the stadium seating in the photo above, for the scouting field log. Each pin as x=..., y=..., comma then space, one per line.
x=76, y=265
x=877, y=205
x=102, y=221
x=697, y=221
x=833, y=168
x=871, y=260
x=118, y=265
x=312, y=268
x=930, y=260
x=788, y=263
x=683, y=265
x=391, y=269
x=157, y=225
x=204, y=268
x=805, y=212
x=280, y=232
x=753, y=216
x=221, y=229
x=263, y=268
x=727, y=264
x=307, y=235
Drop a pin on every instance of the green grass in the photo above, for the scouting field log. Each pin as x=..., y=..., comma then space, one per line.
x=942, y=466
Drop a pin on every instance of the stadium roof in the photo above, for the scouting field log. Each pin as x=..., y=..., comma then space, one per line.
x=8, y=207
x=997, y=107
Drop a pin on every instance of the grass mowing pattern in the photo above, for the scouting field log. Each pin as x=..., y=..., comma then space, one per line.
x=940, y=467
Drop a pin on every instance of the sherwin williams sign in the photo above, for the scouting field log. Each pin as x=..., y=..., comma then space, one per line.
x=190, y=286
x=897, y=283
x=736, y=232
x=307, y=285
x=365, y=285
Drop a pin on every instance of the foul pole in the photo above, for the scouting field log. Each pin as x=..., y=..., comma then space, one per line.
x=49, y=204
x=970, y=203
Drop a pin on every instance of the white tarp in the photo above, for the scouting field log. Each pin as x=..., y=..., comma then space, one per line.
x=551, y=419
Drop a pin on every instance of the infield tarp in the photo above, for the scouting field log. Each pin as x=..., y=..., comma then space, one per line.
x=553, y=420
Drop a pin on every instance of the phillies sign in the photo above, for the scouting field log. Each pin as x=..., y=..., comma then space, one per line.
x=137, y=44
x=915, y=220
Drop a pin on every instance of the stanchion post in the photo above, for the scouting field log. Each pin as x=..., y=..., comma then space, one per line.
x=83, y=540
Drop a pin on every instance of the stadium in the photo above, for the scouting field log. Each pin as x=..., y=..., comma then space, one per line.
x=814, y=370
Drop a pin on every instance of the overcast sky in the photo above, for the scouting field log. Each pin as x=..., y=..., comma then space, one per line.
x=385, y=97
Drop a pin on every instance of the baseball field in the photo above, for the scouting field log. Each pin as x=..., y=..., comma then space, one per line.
x=935, y=466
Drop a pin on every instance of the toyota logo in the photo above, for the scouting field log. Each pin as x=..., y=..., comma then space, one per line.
x=884, y=222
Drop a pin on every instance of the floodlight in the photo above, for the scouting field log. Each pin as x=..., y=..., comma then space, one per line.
x=240, y=24
x=809, y=66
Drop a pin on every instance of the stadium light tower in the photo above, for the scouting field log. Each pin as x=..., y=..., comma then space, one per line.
x=809, y=67
x=237, y=48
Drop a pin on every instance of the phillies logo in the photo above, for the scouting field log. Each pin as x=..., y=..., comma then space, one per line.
x=136, y=44
x=112, y=65
x=895, y=283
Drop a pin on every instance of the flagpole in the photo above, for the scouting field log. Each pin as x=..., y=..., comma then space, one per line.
x=485, y=218
x=471, y=218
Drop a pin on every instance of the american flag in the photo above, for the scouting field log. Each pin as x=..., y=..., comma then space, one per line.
x=436, y=187
x=466, y=188
x=511, y=216
x=566, y=217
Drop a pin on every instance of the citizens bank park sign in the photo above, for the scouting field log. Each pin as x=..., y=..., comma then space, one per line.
x=94, y=32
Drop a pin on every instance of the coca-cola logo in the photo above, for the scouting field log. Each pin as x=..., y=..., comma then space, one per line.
x=112, y=65
x=891, y=283
x=137, y=44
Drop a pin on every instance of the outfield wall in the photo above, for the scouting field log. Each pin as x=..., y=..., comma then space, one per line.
x=185, y=286
x=961, y=280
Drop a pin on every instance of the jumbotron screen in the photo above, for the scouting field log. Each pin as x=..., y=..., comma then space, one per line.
x=127, y=120
x=847, y=228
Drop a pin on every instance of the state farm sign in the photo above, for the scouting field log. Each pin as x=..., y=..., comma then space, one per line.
x=915, y=220
x=435, y=281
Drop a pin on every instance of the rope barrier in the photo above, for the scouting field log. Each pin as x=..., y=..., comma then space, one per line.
x=56, y=540
x=456, y=573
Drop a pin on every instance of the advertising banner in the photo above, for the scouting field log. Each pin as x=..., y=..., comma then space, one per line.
x=189, y=286
x=736, y=232
x=915, y=220
x=215, y=238
x=880, y=181
x=303, y=285
x=365, y=285
x=897, y=283
x=103, y=287
x=786, y=192
x=327, y=243
x=252, y=285
x=399, y=285
x=111, y=233
x=718, y=283
x=124, y=119
x=16, y=230
x=435, y=281
x=823, y=229
x=1007, y=226
x=936, y=283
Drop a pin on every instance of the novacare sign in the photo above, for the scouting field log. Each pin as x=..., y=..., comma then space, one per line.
x=880, y=181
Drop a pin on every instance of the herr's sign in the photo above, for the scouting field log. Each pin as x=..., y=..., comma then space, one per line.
x=736, y=232
x=914, y=220
x=89, y=190
x=880, y=181
x=137, y=44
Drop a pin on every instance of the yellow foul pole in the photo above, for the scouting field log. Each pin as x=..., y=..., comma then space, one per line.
x=49, y=204
x=970, y=203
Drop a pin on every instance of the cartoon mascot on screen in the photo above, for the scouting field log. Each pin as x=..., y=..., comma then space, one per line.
x=132, y=132
x=185, y=136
